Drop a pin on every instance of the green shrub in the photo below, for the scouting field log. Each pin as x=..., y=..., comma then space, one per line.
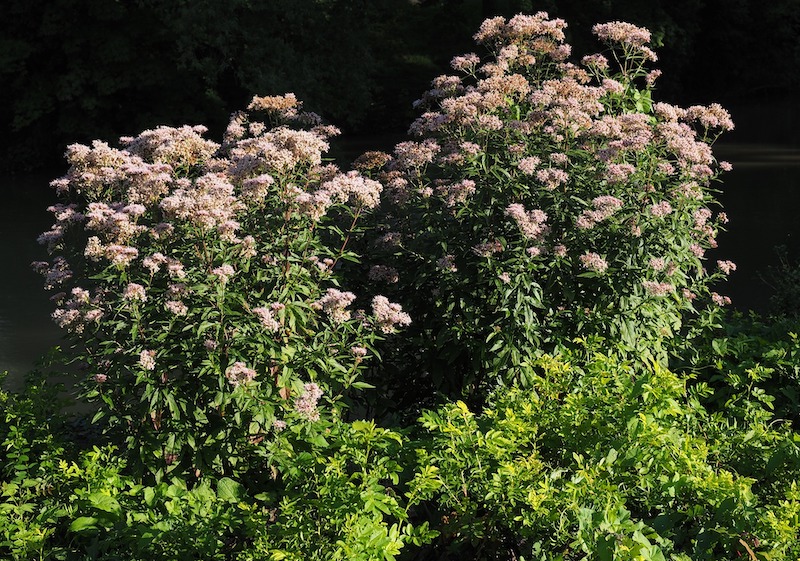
x=606, y=459
x=337, y=494
x=342, y=497
x=29, y=454
x=545, y=200
x=199, y=285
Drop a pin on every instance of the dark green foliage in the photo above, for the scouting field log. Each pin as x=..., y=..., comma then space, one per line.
x=784, y=282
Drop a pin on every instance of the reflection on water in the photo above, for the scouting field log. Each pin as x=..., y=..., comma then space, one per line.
x=761, y=196
x=753, y=155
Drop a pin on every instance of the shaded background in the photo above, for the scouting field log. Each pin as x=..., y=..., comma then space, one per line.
x=76, y=70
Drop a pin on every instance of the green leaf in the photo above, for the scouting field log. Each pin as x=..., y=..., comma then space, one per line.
x=173, y=406
x=149, y=496
x=83, y=523
x=229, y=490
x=104, y=502
x=363, y=386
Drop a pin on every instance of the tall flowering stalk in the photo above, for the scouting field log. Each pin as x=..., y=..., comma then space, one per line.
x=577, y=181
x=198, y=282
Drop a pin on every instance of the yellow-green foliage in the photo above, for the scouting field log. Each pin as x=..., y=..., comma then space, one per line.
x=611, y=458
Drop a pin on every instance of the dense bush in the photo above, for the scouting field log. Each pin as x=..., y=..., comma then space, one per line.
x=566, y=385
x=613, y=459
x=199, y=283
x=545, y=200
x=336, y=502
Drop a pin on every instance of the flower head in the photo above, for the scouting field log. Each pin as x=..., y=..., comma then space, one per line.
x=147, y=360
x=726, y=267
x=661, y=209
x=223, y=272
x=134, y=292
x=334, y=303
x=267, y=318
x=238, y=373
x=306, y=403
x=622, y=32
x=387, y=315
x=594, y=262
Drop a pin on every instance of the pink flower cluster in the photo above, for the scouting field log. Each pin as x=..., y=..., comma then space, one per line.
x=552, y=177
x=350, y=187
x=353, y=187
x=596, y=61
x=726, y=267
x=179, y=147
x=456, y=193
x=238, y=373
x=594, y=262
x=619, y=173
x=306, y=403
x=78, y=311
x=286, y=106
x=388, y=315
x=528, y=165
x=223, y=272
x=535, y=33
x=567, y=107
x=134, y=292
x=711, y=117
x=414, y=155
x=55, y=274
x=622, y=32
x=604, y=207
x=532, y=224
x=266, y=318
x=627, y=35
x=465, y=63
x=207, y=203
x=720, y=300
x=176, y=307
x=147, y=360
x=333, y=303
x=620, y=134
x=658, y=288
x=661, y=209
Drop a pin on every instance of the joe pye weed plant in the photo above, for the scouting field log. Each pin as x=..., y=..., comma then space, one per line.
x=559, y=218
x=544, y=200
x=199, y=282
x=524, y=272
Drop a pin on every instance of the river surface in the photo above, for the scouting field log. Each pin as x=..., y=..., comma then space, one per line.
x=26, y=331
x=761, y=197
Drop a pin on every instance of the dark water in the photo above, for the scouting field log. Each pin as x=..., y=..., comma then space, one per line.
x=762, y=199
x=26, y=331
x=761, y=196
